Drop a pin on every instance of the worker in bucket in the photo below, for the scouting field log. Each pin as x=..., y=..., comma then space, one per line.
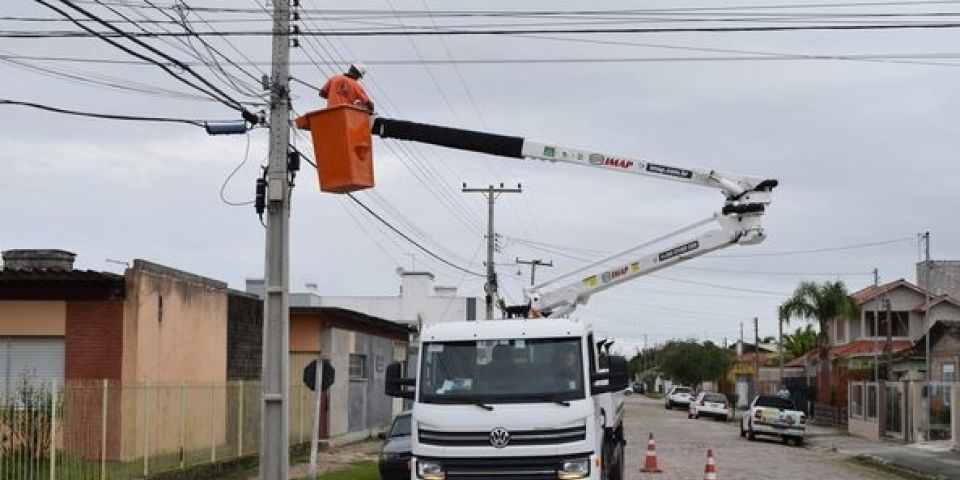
x=345, y=89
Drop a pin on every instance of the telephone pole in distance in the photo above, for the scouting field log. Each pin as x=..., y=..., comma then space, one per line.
x=491, y=192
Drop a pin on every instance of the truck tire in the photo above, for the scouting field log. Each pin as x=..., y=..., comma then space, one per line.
x=798, y=441
x=743, y=433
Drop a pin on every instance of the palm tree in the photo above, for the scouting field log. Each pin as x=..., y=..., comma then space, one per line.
x=823, y=303
x=801, y=341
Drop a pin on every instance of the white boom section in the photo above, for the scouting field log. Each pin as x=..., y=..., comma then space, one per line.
x=563, y=299
x=745, y=200
x=732, y=185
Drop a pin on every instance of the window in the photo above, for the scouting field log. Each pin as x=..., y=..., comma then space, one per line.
x=901, y=324
x=948, y=372
x=855, y=329
x=840, y=331
x=502, y=371
x=358, y=366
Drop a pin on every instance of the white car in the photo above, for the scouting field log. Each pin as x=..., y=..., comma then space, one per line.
x=678, y=396
x=710, y=404
x=776, y=417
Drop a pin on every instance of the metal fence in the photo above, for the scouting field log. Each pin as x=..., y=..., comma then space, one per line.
x=111, y=430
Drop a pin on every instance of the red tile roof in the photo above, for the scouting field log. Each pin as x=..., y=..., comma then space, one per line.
x=810, y=357
x=871, y=292
x=936, y=301
x=861, y=347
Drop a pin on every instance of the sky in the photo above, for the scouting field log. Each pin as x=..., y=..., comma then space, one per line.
x=864, y=149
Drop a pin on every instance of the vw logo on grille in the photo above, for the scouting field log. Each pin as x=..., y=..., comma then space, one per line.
x=499, y=437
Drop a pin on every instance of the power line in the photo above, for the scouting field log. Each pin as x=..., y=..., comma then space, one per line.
x=215, y=93
x=395, y=229
x=412, y=241
x=491, y=32
x=820, y=250
x=109, y=116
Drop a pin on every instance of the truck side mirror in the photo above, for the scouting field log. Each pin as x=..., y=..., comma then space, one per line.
x=395, y=383
x=617, y=377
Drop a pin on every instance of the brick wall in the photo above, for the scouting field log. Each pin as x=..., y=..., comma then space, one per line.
x=93, y=342
x=244, y=336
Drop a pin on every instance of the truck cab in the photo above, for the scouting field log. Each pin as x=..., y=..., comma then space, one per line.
x=522, y=399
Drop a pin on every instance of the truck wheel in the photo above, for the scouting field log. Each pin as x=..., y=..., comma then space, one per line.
x=798, y=441
x=750, y=435
x=667, y=406
x=616, y=473
x=743, y=433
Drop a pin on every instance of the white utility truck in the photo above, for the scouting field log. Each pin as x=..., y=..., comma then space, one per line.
x=540, y=397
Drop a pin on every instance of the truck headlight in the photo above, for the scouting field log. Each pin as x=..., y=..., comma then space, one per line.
x=574, y=469
x=428, y=470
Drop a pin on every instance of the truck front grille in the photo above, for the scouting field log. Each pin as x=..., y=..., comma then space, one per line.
x=517, y=438
x=513, y=468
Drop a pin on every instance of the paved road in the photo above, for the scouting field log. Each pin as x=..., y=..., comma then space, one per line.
x=682, y=445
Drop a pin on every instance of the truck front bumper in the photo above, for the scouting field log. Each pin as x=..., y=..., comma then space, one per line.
x=564, y=467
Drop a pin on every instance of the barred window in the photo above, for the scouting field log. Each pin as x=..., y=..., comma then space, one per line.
x=358, y=366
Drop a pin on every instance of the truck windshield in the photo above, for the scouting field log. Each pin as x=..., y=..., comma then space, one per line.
x=502, y=371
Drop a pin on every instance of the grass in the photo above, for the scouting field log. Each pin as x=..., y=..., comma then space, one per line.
x=365, y=470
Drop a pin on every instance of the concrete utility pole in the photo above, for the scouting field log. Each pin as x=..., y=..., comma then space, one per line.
x=780, y=322
x=274, y=441
x=926, y=322
x=533, y=267
x=876, y=332
x=491, y=193
x=756, y=355
x=889, y=347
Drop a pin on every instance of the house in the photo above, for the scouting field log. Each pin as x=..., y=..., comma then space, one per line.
x=97, y=332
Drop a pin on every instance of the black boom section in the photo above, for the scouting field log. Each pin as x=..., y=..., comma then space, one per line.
x=493, y=144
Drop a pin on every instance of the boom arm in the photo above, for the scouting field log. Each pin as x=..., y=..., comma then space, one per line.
x=745, y=200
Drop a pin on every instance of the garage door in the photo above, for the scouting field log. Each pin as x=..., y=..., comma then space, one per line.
x=38, y=358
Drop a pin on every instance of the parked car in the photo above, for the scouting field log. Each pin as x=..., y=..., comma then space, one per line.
x=678, y=396
x=638, y=387
x=395, y=453
x=710, y=404
x=774, y=416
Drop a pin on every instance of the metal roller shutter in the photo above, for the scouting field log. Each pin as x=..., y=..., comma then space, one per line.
x=39, y=357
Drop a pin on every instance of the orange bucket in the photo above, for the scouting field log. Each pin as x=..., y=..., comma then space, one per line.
x=342, y=147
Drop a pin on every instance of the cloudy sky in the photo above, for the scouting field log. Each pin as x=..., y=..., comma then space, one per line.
x=863, y=139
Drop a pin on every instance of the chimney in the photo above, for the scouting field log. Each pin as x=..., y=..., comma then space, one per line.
x=33, y=259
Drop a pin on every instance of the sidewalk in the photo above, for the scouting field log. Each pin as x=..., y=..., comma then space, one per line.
x=932, y=459
x=338, y=458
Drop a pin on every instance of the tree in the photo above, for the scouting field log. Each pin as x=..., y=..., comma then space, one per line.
x=691, y=363
x=822, y=303
x=801, y=341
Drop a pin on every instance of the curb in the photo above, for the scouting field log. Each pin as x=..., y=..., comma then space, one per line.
x=884, y=464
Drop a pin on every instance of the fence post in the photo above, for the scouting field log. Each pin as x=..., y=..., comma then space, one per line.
x=146, y=428
x=53, y=430
x=213, y=423
x=183, y=423
x=103, y=431
x=240, y=420
x=300, y=385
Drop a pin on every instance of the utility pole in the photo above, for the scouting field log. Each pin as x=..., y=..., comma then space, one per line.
x=889, y=347
x=533, y=267
x=274, y=440
x=780, y=345
x=926, y=331
x=491, y=193
x=876, y=332
x=756, y=355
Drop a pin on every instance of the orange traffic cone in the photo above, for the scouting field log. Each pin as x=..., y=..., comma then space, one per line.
x=710, y=472
x=650, y=465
